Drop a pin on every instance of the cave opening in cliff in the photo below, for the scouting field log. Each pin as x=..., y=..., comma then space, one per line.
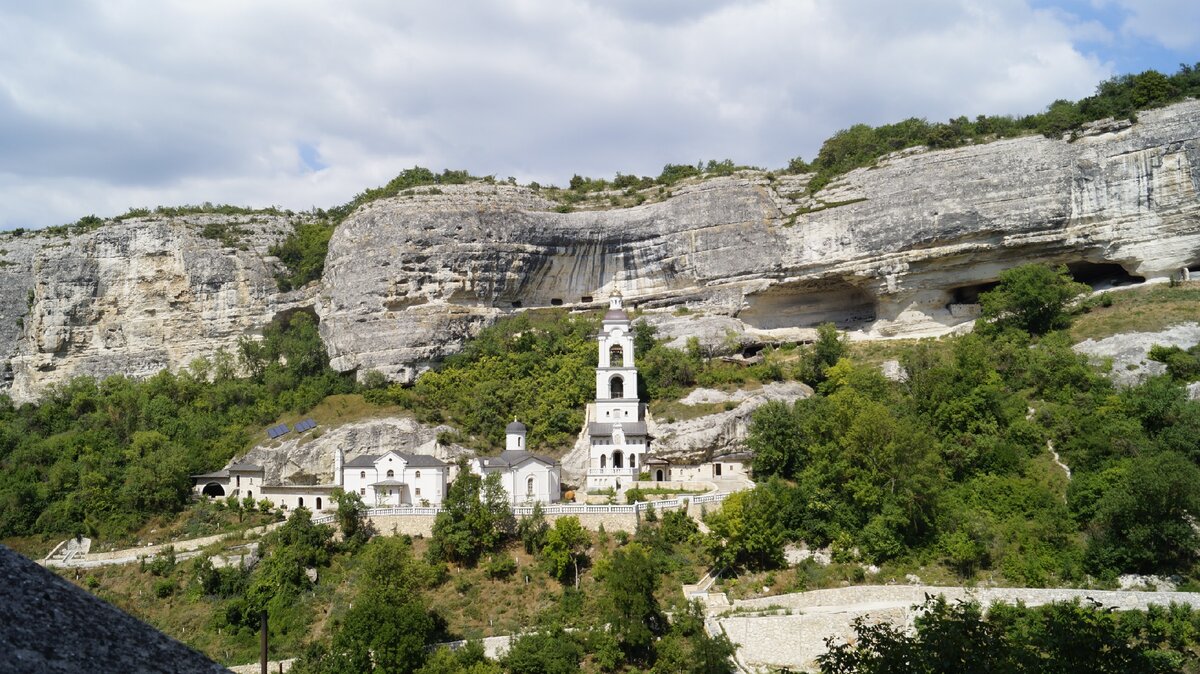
x=807, y=304
x=556, y=302
x=970, y=294
x=1100, y=275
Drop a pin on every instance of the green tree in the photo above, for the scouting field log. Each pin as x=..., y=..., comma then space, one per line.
x=629, y=580
x=475, y=518
x=544, y=652
x=1032, y=297
x=565, y=545
x=352, y=517
x=776, y=437
x=748, y=532
x=1144, y=523
x=687, y=647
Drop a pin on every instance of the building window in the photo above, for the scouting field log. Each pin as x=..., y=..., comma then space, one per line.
x=602, y=460
x=249, y=494
x=318, y=503
x=301, y=501
x=391, y=473
x=418, y=475
x=529, y=487
x=362, y=474
x=417, y=491
x=633, y=460
x=518, y=441
x=362, y=491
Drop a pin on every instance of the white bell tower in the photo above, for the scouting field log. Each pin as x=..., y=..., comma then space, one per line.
x=618, y=429
x=616, y=377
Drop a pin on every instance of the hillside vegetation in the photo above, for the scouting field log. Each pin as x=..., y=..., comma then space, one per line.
x=102, y=457
x=952, y=465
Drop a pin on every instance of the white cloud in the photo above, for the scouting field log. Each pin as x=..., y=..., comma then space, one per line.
x=106, y=105
x=1171, y=23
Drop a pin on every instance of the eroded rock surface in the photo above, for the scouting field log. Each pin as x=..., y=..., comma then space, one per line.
x=1129, y=352
x=134, y=297
x=308, y=458
x=723, y=432
x=900, y=249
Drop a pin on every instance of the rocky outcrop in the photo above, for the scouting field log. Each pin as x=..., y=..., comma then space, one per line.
x=135, y=297
x=308, y=458
x=724, y=432
x=901, y=248
x=1126, y=357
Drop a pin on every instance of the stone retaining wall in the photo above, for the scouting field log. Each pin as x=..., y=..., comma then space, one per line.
x=793, y=640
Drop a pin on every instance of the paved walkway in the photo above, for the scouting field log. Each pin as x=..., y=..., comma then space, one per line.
x=69, y=555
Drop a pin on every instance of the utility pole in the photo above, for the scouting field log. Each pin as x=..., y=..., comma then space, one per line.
x=262, y=656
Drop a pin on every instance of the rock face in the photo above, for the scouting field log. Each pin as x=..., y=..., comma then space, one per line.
x=721, y=433
x=309, y=458
x=1129, y=352
x=134, y=297
x=901, y=248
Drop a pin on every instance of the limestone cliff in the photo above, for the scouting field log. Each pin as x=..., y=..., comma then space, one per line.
x=901, y=248
x=134, y=297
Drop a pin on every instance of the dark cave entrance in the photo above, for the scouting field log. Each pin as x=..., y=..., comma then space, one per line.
x=1101, y=275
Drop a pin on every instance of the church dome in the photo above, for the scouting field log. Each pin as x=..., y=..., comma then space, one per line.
x=616, y=315
x=515, y=427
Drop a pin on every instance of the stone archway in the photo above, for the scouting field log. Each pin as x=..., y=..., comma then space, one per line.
x=213, y=489
x=618, y=459
x=658, y=475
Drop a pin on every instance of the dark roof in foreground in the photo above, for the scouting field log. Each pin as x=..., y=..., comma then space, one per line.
x=49, y=625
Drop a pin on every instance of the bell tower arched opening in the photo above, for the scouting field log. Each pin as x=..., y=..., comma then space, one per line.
x=616, y=356
x=616, y=387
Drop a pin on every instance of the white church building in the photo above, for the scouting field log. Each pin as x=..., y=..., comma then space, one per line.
x=393, y=479
x=619, y=442
x=526, y=477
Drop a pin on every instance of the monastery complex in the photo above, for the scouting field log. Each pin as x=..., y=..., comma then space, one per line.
x=619, y=451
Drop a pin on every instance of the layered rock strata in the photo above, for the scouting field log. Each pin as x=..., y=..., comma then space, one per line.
x=134, y=297
x=899, y=249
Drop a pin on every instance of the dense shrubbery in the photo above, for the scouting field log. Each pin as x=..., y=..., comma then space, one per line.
x=951, y=464
x=100, y=457
x=1064, y=637
x=536, y=366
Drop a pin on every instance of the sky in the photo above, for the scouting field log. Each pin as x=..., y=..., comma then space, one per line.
x=112, y=104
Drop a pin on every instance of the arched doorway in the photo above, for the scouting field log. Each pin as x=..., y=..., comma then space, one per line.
x=249, y=494
x=658, y=475
x=603, y=460
x=618, y=459
x=213, y=489
x=616, y=387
